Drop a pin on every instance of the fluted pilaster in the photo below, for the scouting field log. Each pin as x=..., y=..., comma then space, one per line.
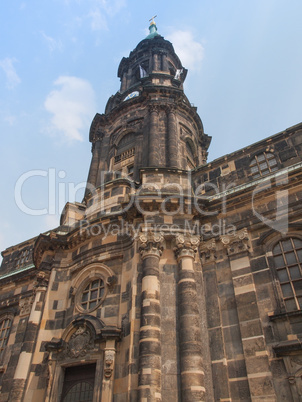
x=191, y=364
x=150, y=246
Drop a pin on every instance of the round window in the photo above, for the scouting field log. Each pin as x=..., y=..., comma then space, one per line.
x=92, y=295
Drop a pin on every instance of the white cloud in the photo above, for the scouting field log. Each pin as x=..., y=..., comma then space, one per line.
x=12, y=78
x=98, y=12
x=72, y=106
x=52, y=43
x=10, y=119
x=98, y=20
x=113, y=7
x=101, y=10
x=189, y=51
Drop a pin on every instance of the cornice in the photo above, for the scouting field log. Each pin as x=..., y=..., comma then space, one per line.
x=54, y=241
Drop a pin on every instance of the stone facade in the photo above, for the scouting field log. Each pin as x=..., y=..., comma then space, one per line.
x=174, y=279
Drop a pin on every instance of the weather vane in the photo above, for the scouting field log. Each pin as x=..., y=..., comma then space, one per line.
x=152, y=19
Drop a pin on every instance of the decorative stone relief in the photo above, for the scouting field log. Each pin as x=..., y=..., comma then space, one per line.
x=186, y=245
x=154, y=108
x=109, y=363
x=42, y=279
x=111, y=282
x=150, y=243
x=25, y=305
x=137, y=123
x=79, y=343
x=236, y=242
x=208, y=250
x=72, y=291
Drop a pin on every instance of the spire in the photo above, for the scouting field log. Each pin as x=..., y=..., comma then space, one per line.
x=152, y=29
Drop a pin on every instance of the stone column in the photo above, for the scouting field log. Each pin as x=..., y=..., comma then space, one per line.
x=172, y=138
x=153, y=137
x=149, y=386
x=191, y=365
x=29, y=341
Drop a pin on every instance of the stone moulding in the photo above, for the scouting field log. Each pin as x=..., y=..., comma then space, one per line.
x=236, y=242
x=80, y=337
x=207, y=250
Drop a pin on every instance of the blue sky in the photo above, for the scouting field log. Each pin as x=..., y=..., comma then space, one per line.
x=58, y=67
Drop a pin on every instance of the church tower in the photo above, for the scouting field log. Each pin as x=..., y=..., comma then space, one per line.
x=174, y=279
x=149, y=122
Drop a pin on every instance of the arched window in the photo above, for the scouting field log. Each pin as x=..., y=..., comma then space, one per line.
x=126, y=148
x=263, y=164
x=287, y=255
x=5, y=326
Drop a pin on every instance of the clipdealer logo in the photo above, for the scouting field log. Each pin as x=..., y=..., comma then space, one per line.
x=275, y=213
x=59, y=193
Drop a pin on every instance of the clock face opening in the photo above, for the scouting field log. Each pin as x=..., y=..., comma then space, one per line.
x=132, y=95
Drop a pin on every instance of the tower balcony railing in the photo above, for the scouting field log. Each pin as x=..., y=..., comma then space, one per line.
x=124, y=155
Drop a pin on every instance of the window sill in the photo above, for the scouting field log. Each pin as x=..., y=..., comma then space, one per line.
x=285, y=315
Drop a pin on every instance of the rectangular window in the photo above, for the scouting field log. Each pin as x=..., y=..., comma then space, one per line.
x=78, y=383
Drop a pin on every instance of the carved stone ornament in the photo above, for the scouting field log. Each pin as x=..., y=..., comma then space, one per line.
x=111, y=282
x=236, y=242
x=154, y=109
x=79, y=343
x=207, y=250
x=42, y=279
x=109, y=363
x=25, y=305
x=186, y=245
x=150, y=243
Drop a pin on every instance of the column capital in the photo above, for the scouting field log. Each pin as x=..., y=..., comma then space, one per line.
x=154, y=108
x=207, y=250
x=236, y=242
x=186, y=245
x=171, y=109
x=150, y=243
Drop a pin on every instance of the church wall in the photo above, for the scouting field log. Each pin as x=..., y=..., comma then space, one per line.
x=233, y=169
x=163, y=283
